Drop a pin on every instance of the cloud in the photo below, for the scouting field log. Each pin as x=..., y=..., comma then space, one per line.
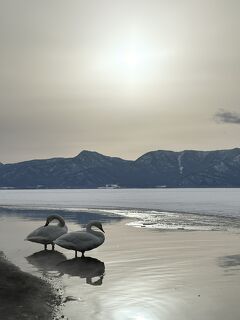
x=227, y=117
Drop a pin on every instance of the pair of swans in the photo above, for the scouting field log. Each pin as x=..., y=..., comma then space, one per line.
x=57, y=234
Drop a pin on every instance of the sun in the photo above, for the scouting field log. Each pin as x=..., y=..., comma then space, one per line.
x=131, y=63
x=130, y=58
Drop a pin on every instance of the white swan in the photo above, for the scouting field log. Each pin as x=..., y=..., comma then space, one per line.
x=48, y=233
x=82, y=240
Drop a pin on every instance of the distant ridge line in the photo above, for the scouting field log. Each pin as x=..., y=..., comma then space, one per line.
x=95, y=152
x=154, y=169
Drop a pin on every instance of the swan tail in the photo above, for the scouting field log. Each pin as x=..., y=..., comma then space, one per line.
x=38, y=240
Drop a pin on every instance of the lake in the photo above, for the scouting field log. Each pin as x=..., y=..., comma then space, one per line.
x=168, y=253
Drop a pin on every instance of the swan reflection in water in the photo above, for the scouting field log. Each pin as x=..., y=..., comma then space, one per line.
x=84, y=267
x=46, y=261
x=54, y=261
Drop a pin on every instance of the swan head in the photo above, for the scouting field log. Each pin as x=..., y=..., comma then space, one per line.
x=96, y=224
x=55, y=217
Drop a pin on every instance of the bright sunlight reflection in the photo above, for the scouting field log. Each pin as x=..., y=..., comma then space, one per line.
x=134, y=313
x=139, y=317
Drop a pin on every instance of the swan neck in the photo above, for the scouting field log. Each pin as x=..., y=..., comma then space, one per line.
x=61, y=222
x=89, y=228
x=96, y=233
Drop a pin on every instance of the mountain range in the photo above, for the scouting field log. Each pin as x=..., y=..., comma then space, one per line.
x=161, y=168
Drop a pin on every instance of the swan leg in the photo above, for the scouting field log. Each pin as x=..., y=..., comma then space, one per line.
x=75, y=253
x=45, y=247
x=83, y=254
x=53, y=246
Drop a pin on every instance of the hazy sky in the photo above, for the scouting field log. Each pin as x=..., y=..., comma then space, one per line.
x=121, y=77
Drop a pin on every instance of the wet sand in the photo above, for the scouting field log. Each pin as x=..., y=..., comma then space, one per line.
x=23, y=296
x=137, y=273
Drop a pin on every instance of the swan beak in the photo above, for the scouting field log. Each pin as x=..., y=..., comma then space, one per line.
x=102, y=229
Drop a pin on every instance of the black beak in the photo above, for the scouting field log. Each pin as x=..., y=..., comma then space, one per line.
x=102, y=229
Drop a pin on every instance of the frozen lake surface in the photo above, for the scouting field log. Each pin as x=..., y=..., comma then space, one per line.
x=207, y=201
x=190, y=209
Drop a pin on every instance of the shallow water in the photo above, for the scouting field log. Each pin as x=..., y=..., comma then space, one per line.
x=137, y=273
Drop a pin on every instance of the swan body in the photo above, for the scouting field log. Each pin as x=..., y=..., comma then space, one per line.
x=48, y=233
x=82, y=240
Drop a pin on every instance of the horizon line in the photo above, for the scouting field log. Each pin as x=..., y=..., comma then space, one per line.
x=90, y=151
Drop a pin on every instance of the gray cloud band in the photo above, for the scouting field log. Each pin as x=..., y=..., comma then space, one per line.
x=227, y=117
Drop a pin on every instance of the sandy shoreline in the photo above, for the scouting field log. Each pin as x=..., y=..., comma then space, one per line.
x=24, y=296
x=138, y=273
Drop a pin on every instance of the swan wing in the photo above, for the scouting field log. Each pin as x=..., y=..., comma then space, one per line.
x=78, y=237
x=46, y=233
x=79, y=240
